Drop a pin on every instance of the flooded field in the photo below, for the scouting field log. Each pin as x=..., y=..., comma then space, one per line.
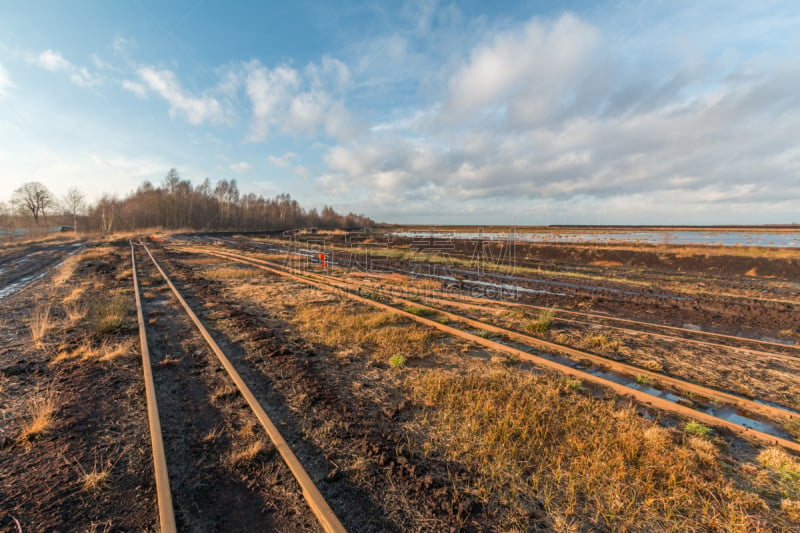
x=789, y=239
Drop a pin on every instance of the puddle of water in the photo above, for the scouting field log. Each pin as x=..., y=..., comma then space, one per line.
x=778, y=341
x=777, y=406
x=13, y=288
x=731, y=415
x=8, y=290
x=724, y=412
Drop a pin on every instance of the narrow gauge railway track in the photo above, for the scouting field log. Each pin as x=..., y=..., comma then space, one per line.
x=316, y=502
x=687, y=334
x=348, y=290
x=562, y=288
x=488, y=305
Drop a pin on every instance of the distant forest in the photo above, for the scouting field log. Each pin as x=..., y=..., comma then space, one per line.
x=175, y=204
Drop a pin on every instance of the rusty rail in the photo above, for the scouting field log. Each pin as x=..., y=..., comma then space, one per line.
x=327, y=519
x=166, y=513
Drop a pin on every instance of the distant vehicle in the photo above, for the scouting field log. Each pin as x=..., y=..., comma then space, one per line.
x=66, y=228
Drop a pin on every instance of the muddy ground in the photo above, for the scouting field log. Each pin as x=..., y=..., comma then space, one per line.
x=99, y=423
x=708, y=288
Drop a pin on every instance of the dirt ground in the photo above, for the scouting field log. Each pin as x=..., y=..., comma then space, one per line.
x=90, y=469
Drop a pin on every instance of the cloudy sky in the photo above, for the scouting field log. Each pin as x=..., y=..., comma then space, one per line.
x=429, y=112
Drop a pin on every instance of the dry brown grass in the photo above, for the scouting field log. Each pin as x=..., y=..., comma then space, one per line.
x=232, y=273
x=244, y=456
x=74, y=295
x=778, y=460
x=212, y=435
x=39, y=415
x=91, y=349
x=223, y=392
x=98, y=477
x=39, y=239
x=382, y=334
x=40, y=324
x=66, y=270
x=75, y=311
x=532, y=441
x=604, y=341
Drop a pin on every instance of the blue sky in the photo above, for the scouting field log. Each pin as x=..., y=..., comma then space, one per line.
x=418, y=111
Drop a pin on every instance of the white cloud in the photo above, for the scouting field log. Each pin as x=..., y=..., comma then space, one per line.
x=195, y=109
x=530, y=74
x=136, y=88
x=329, y=74
x=284, y=99
x=306, y=112
x=301, y=171
x=282, y=161
x=5, y=81
x=53, y=61
x=123, y=44
x=241, y=167
x=269, y=92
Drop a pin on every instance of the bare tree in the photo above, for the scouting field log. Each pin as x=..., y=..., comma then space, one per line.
x=75, y=202
x=5, y=215
x=35, y=198
x=107, y=207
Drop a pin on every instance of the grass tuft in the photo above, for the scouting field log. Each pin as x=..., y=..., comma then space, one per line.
x=419, y=311
x=541, y=323
x=793, y=427
x=111, y=315
x=397, y=361
x=245, y=456
x=75, y=311
x=693, y=427
x=40, y=412
x=40, y=324
x=777, y=460
x=98, y=476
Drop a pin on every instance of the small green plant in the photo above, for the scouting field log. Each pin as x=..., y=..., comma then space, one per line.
x=397, y=361
x=793, y=427
x=482, y=333
x=575, y=384
x=541, y=323
x=602, y=340
x=642, y=380
x=784, y=465
x=419, y=311
x=696, y=428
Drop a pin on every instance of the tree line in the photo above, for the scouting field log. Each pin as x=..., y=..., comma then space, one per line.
x=174, y=204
